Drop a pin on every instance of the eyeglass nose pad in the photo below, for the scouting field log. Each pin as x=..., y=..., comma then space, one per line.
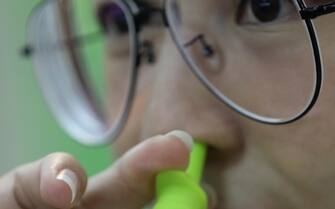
x=205, y=53
x=208, y=50
x=147, y=51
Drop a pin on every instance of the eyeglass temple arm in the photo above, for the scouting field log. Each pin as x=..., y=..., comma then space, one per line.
x=316, y=11
x=28, y=50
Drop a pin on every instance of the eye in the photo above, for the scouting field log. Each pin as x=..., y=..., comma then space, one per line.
x=257, y=12
x=113, y=19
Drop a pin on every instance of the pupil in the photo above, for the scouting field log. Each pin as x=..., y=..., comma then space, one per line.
x=265, y=10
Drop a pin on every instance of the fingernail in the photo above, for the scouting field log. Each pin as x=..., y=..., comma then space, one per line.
x=70, y=178
x=183, y=136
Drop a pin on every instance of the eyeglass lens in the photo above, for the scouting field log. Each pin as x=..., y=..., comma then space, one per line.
x=256, y=55
x=260, y=59
x=84, y=54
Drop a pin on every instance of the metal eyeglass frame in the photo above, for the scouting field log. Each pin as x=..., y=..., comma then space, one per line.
x=132, y=11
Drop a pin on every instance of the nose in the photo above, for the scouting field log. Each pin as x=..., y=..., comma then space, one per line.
x=180, y=101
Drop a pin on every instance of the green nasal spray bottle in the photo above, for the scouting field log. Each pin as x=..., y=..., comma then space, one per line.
x=181, y=190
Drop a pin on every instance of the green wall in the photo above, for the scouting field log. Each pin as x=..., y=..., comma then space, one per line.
x=27, y=129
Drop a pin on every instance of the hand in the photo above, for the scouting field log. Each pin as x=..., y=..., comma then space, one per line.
x=59, y=182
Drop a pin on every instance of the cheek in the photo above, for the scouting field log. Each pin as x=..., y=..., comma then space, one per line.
x=118, y=73
x=265, y=77
x=301, y=153
x=326, y=34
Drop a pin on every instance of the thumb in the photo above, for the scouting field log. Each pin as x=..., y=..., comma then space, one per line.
x=56, y=181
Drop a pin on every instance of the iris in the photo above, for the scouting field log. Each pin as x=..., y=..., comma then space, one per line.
x=266, y=10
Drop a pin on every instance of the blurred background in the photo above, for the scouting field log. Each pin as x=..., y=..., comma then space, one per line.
x=27, y=129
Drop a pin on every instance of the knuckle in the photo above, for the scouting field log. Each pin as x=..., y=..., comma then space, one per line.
x=60, y=160
x=19, y=191
x=127, y=182
x=62, y=156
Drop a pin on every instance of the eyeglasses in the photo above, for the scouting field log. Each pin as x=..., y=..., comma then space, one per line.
x=263, y=60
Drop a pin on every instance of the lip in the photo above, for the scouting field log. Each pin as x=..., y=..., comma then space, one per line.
x=220, y=139
x=223, y=152
x=212, y=196
x=223, y=149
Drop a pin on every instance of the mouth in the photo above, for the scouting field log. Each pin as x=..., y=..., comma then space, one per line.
x=211, y=195
x=217, y=162
x=224, y=146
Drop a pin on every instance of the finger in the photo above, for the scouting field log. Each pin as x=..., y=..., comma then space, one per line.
x=130, y=183
x=57, y=181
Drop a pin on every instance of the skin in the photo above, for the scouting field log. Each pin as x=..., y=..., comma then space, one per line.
x=250, y=165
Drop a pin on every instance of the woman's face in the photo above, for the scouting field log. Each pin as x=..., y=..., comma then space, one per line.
x=250, y=165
